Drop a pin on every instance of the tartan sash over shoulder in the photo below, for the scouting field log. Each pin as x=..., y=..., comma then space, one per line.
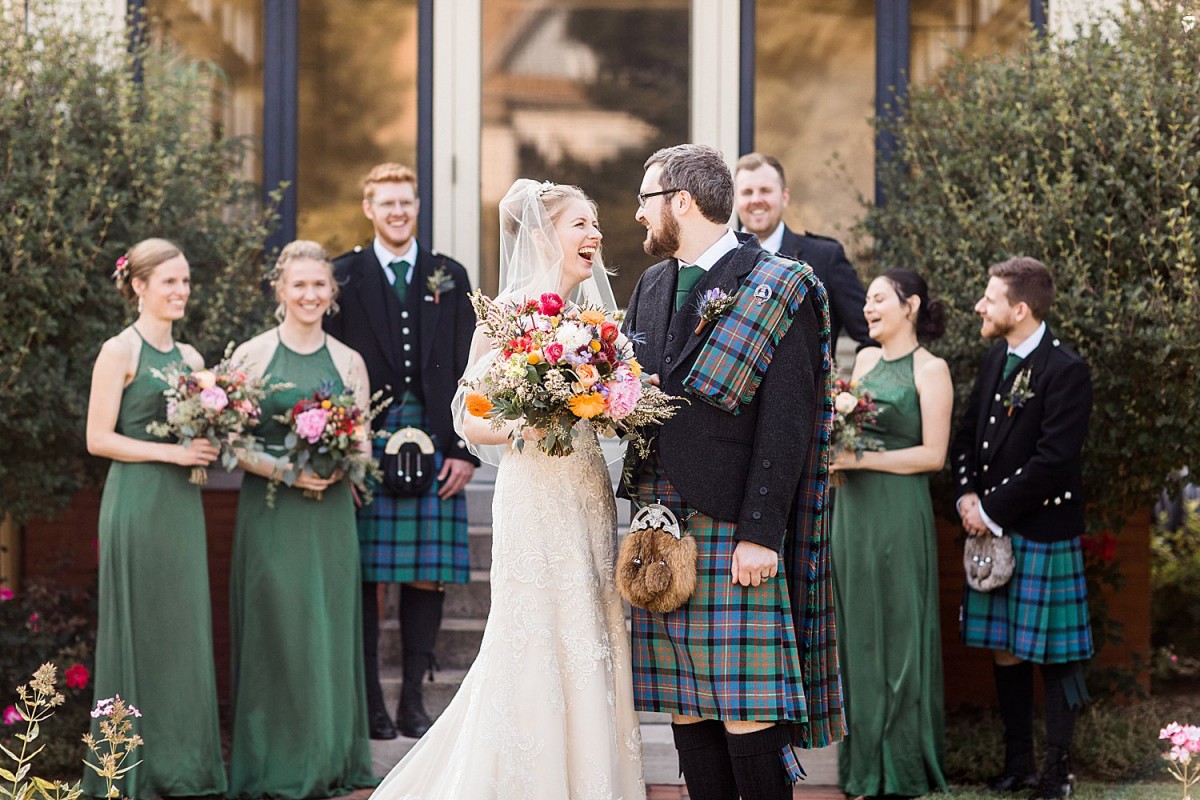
x=734, y=359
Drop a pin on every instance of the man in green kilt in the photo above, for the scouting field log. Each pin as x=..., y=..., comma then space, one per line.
x=748, y=665
x=404, y=308
x=1017, y=464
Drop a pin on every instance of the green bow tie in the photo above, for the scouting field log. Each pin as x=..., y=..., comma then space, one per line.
x=687, y=280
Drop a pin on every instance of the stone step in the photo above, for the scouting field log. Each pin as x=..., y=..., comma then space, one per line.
x=437, y=693
x=457, y=645
x=469, y=600
x=479, y=544
x=660, y=764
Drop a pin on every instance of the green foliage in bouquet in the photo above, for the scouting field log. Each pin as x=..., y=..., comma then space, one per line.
x=92, y=161
x=1085, y=155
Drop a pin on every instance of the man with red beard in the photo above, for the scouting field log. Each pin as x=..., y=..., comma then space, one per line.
x=1017, y=462
x=748, y=665
x=762, y=194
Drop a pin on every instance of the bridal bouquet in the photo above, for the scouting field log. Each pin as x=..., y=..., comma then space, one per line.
x=853, y=409
x=557, y=365
x=325, y=434
x=220, y=404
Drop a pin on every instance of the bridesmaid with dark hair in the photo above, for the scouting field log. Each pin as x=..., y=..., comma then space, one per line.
x=884, y=552
x=154, y=640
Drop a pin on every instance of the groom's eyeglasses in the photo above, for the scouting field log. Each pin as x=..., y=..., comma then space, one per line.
x=644, y=196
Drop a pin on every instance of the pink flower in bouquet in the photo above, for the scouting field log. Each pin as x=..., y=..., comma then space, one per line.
x=77, y=676
x=245, y=407
x=553, y=352
x=205, y=379
x=311, y=424
x=12, y=716
x=214, y=398
x=6, y=593
x=587, y=375
x=623, y=396
x=550, y=304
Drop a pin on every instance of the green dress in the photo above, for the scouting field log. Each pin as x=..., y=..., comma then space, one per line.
x=886, y=594
x=299, y=702
x=154, y=638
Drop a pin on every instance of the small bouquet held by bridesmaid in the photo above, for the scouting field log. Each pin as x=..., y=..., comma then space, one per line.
x=853, y=409
x=557, y=365
x=325, y=434
x=221, y=404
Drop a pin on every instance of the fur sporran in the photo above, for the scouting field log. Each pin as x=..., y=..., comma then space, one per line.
x=656, y=566
x=989, y=562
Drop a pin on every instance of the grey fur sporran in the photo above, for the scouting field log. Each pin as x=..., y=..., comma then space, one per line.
x=989, y=562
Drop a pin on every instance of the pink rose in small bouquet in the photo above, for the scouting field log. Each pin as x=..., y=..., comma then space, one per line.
x=220, y=404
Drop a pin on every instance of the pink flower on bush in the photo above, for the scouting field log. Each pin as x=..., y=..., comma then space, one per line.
x=623, y=396
x=77, y=676
x=6, y=593
x=11, y=716
x=1185, y=741
x=33, y=622
x=311, y=424
x=550, y=304
x=214, y=398
x=554, y=352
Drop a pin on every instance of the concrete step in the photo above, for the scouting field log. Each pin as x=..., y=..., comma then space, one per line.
x=479, y=544
x=437, y=693
x=469, y=600
x=659, y=761
x=457, y=645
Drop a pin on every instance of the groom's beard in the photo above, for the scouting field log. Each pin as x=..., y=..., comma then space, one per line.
x=665, y=243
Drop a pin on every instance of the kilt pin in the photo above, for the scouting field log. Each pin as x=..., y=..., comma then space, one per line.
x=765, y=653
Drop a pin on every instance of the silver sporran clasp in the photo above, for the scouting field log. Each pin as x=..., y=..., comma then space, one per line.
x=656, y=516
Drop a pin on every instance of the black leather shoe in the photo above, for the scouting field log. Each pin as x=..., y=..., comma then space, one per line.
x=1013, y=782
x=1056, y=781
x=412, y=720
x=379, y=725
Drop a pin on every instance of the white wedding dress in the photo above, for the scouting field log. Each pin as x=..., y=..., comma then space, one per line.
x=546, y=711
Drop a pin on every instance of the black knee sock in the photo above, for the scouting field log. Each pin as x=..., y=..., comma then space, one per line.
x=1014, y=689
x=704, y=760
x=758, y=763
x=370, y=623
x=1066, y=693
x=420, y=618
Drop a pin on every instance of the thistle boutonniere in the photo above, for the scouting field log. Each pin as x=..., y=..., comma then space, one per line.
x=440, y=281
x=713, y=305
x=1020, y=393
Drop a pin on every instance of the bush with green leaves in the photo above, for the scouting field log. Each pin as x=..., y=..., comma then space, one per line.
x=100, y=148
x=1084, y=154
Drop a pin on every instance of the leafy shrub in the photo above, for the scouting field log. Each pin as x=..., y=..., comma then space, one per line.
x=1175, y=596
x=92, y=161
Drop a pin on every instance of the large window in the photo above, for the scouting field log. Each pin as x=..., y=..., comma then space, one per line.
x=357, y=86
x=814, y=94
x=581, y=91
x=940, y=28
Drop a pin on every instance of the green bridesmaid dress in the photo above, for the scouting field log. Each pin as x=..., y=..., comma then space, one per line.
x=154, y=639
x=299, y=701
x=885, y=572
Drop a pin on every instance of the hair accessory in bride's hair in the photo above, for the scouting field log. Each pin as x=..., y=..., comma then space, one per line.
x=545, y=187
x=121, y=273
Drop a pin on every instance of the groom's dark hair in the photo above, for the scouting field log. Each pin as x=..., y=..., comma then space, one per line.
x=700, y=171
x=1028, y=281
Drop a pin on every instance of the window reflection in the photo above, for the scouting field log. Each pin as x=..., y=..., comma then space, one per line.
x=229, y=35
x=357, y=107
x=814, y=94
x=581, y=92
x=973, y=27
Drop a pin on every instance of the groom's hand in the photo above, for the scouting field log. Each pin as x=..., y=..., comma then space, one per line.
x=752, y=564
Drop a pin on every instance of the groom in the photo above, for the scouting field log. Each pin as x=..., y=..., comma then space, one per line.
x=1017, y=460
x=748, y=665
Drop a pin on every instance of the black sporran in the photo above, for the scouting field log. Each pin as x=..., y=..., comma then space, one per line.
x=408, y=465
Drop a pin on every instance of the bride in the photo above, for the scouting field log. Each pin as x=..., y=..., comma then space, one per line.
x=546, y=711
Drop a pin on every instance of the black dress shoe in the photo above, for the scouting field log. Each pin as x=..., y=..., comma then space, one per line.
x=379, y=724
x=1013, y=782
x=412, y=720
x=1056, y=781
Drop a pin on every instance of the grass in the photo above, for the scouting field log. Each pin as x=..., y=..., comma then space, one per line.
x=1086, y=791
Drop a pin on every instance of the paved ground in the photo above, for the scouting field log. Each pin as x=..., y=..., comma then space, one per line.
x=661, y=792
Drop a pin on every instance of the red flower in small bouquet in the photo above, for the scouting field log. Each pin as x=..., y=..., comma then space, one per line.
x=853, y=409
x=558, y=364
x=221, y=404
x=326, y=432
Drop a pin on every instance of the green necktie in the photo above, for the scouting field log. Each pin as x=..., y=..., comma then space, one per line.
x=400, y=284
x=1010, y=364
x=687, y=280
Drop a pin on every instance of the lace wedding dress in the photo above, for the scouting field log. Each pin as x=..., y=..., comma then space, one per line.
x=546, y=711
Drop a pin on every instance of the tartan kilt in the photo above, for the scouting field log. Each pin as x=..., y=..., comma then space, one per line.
x=404, y=539
x=1041, y=614
x=730, y=652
